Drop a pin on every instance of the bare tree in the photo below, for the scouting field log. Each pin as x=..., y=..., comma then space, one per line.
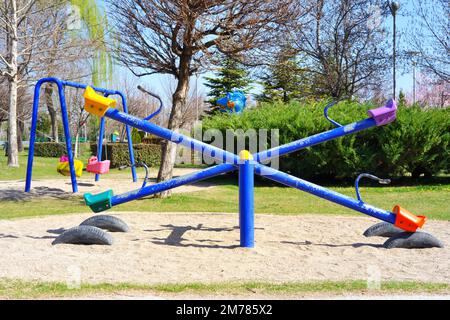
x=342, y=44
x=26, y=28
x=179, y=37
x=139, y=104
x=69, y=53
x=430, y=37
x=195, y=105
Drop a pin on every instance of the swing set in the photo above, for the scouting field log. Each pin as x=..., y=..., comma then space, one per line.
x=68, y=165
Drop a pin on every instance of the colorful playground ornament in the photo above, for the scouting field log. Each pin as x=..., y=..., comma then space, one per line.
x=248, y=165
x=234, y=102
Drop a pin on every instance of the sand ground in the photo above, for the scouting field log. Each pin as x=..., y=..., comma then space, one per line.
x=186, y=248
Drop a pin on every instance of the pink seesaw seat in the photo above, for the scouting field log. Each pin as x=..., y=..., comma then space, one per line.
x=98, y=167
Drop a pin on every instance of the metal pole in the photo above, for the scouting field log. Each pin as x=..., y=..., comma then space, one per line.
x=395, y=58
x=65, y=119
x=130, y=140
x=394, y=6
x=246, y=200
x=414, y=82
x=315, y=139
x=169, y=135
x=34, y=119
x=101, y=135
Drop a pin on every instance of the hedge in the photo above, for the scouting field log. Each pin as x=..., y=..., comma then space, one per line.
x=118, y=153
x=49, y=149
x=418, y=143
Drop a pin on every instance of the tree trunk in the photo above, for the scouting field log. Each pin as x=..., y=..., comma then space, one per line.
x=20, y=129
x=77, y=138
x=13, y=79
x=51, y=110
x=7, y=142
x=169, y=149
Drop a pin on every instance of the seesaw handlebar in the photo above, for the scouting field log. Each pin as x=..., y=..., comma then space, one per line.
x=370, y=176
x=161, y=104
x=138, y=165
x=325, y=111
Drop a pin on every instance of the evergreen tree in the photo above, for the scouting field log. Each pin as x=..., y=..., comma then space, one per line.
x=284, y=80
x=230, y=76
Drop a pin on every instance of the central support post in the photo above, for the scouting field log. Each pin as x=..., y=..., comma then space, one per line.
x=246, y=199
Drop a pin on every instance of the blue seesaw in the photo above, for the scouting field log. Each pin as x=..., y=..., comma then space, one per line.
x=248, y=165
x=399, y=224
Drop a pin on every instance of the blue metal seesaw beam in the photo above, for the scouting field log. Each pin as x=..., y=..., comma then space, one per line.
x=196, y=145
x=314, y=140
x=172, y=183
x=324, y=193
x=232, y=160
x=247, y=169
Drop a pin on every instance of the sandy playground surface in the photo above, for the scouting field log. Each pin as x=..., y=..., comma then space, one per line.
x=185, y=248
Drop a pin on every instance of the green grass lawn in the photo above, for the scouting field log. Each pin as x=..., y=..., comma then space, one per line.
x=43, y=168
x=17, y=289
x=430, y=199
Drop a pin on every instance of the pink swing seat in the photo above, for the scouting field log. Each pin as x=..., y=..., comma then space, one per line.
x=97, y=167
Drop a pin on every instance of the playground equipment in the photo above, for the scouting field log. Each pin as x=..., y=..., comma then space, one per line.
x=234, y=102
x=97, y=167
x=248, y=165
x=63, y=167
x=99, y=103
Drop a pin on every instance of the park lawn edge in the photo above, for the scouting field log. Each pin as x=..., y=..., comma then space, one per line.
x=20, y=289
x=118, y=212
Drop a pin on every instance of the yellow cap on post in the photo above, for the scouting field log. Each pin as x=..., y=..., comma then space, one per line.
x=97, y=104
x=245, y=155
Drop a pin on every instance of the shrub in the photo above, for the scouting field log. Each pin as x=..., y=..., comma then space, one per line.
x=118, y=154
x=137, y=136
x=417, y=143
x=49, y=149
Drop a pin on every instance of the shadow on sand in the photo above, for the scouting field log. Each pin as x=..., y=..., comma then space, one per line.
x=176, y=239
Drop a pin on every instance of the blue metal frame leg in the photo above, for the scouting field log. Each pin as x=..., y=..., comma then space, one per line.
x=101, y=135
x=33, y=130
x=130, y=140
x=246, y=204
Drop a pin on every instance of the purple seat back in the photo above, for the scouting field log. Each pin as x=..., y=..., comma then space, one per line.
x=385, y=114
